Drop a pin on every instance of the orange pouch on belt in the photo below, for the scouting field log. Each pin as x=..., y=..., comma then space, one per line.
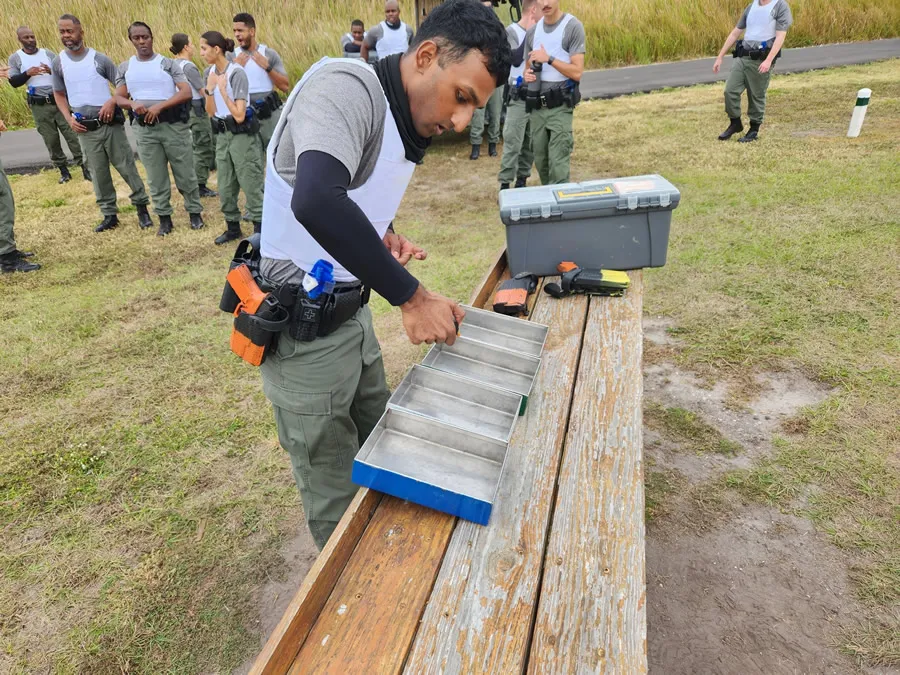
x=258, y=318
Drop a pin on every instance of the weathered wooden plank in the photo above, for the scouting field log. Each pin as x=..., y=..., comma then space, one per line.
x=285, y=641
x=369, y=621
x=591, y=617
x=488, y=284
x=479, y=617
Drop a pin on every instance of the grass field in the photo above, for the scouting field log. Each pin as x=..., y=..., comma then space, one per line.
x=618, y=31
x=143, y=496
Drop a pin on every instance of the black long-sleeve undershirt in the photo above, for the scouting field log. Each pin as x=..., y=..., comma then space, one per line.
x=19, y=80
x=320, y=202
x=518, y=55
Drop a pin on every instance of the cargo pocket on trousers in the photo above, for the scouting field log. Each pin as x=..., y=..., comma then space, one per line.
x=306, y=427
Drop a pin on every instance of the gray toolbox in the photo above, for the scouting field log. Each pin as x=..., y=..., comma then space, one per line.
x=614, y=223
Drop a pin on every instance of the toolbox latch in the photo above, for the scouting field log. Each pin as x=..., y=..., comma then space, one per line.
x=515, y=213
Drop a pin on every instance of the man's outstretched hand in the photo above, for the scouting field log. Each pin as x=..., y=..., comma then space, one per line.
x=431, y=318
x=403, y=249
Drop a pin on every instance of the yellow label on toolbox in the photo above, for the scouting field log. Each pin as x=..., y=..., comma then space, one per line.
x=605, y=190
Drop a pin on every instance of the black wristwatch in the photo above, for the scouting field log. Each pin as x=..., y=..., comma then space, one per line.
x=270, y=68
x=550, y=60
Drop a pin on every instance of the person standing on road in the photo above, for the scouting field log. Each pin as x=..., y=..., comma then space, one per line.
x=157, y=96
x=238, y=144
x=515, y=165
x=557, y=42
x=11, y=258
x=339, y=164
x=201, y=132
x=765, y=24
x=265, y=73
x=31, y=66
x=81, y=81
x=489, y=114
x=391, y=36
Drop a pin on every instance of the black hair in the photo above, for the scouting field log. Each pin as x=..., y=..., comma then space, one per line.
x=139, y=24
x=179, y=42
x=215, y=39
x=459, y=26
x=244, y=17
x=70, y=17
x=357, y=22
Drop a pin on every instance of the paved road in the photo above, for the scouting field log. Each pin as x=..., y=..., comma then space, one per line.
x=24, y=151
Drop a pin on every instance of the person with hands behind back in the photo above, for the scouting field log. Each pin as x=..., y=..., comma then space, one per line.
x=338, y=166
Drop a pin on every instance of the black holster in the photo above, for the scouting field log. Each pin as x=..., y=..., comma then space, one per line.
x=248, y=126
x=40, y=100
x=311, y=319
x=265, y=107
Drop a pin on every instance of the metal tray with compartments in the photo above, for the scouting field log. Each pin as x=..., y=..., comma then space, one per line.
x=507, y=332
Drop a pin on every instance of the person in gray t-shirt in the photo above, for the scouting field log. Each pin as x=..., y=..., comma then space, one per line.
x=764, y=24
x=31, y=66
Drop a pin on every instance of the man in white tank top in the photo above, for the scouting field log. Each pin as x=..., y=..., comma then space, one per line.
x=30, y=66
x=391, y=36
x=764, y=24
x=81, y=86
x=265, y=72
x=557, y=42
x=338, y=166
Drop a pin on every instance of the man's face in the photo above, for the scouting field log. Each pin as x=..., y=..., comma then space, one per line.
x=70, y=34
x=357, y=32
x=243, y=34
x=548, y=7
x=392, y=12
x=27, y=40
x=445, y=98
x=142, y=40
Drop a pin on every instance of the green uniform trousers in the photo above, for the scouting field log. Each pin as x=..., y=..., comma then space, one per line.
x=552, y=142
x=493, y=109
x=7, y=215
x=50, y=123
x=204, y=147
x=159, y=147
x=239, y=164
x=745, y=75
x=109, y=145
x=517, y=153
x=327, y=395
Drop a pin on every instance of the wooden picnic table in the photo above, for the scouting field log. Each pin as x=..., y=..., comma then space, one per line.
x=554, y=583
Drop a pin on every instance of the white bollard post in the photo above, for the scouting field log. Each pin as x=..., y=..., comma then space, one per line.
x=859, y=112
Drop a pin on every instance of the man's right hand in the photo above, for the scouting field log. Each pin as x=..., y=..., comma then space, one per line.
x=76, y=126
x=429, y=317
x=717, y=64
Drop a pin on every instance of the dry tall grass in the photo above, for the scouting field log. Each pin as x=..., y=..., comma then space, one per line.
x=619, y=31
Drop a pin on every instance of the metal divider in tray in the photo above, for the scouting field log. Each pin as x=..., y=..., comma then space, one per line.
x=433, y=464
x=517, y=335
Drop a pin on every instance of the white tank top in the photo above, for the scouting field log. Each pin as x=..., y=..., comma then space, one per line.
x=222, y=110
x=553, y=45
x=515, y=72
x=85, y=87
x=147, y=81
x=260, y=82
x=393, y=40
x=283, y=238
x=40, y=57
x=761, y=22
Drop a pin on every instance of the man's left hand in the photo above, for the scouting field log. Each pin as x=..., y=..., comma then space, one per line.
x=152, y=114
x=539, y=55
x=107, y=110
x=765, y=66
x=403, y=249
x=260, y=60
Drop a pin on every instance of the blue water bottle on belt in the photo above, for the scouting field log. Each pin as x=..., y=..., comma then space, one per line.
x=319, y=280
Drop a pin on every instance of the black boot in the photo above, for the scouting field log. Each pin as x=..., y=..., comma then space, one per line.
x=11, y=262
x=504, y=186
x=752, y=134
x=197, y=221
x=23, y=254
x=108, y=223
x=64, y=175
x=732, y=129
x=521, y=181
x=257, y=228
x=232, y=232
x=165, y=226
x=476, y=152
x=86, y=172
x=492, y=149
x=144, y=217
x=206, y=192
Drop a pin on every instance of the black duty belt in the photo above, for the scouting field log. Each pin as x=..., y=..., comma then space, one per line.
x=564, y=95
x=180, y=113
x=248, y=126
x=94, y=123
x=757, y=54
x=41, y=100
x=311, y=319
x=517, y=93
x=266, y=105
